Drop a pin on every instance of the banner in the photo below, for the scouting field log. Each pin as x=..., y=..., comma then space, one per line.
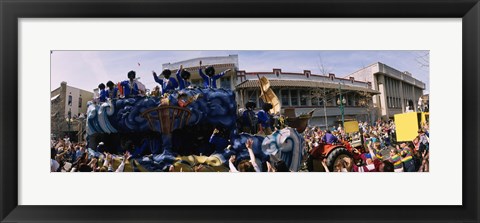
x=268, y=95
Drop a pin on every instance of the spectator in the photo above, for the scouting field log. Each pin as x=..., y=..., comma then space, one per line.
x=396, y=159
x=329, y=138
x=407, y=158
x=245, y=165
x=54, y=165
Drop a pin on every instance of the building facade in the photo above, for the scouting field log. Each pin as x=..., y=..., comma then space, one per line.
x=376, y=91
x=396, y=88
x=303, y=92
x=68, y=106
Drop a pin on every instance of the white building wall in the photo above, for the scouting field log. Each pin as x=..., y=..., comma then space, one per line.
x=76, y=93
x=231, y=59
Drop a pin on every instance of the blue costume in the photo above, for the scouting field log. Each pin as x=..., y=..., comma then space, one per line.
x=167, y=84
x=219, y=142
x=249, y=121
x=264, y=119
x=103, y=95
x=130, y=89
x=112, y=94
x=182, y=82
x=210, y=81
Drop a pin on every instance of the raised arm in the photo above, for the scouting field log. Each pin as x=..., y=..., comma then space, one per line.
x=220, y=74
x=230, y=164
x=155, y=77
x=249, y=146
x=180, y=80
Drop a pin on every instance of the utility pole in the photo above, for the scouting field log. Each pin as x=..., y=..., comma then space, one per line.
x=323, y=94
x=341, y=101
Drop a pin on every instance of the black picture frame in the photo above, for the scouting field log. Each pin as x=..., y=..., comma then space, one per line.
x=11, y=11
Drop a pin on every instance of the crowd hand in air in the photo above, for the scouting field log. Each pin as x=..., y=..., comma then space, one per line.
x=232, y=159
x=249, y=143
x=269, y=167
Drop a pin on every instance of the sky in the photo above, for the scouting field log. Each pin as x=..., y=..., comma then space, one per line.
x=87, y=69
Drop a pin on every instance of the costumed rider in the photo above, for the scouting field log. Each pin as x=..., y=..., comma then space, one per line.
x=112, y=91
x=210, y=80
x=265, y=119
x=183, y=77
x=168, y=83
x=103, y=93
x=249, y=119
x=130, y=87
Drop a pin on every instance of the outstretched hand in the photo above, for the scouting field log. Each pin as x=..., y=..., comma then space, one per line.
x=127, y=155
x=200, y=63
x=153, y=72
x=249, y=143
x=232, y=159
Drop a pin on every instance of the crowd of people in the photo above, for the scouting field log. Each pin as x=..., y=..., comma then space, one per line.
x=373, y=148
x=75, y=157
x=378, y=153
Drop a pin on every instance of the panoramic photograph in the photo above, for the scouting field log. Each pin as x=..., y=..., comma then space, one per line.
x=240, y=111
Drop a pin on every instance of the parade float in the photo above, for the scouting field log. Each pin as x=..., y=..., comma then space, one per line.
x=175, y=130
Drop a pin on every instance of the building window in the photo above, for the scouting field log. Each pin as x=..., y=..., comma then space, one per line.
x=350, y=101
x=252, y=96
x=304, y=95
x=294, y=97
x=315, y=101
x=80, y=102
x=285, y=101
x=69, y=100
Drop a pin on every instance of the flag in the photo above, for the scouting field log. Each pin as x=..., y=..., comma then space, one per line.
x=268, y=95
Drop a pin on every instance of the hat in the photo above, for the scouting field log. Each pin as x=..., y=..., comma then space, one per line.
x=250, y=104
x=166, y=72
x=185, y=74
x=110, y=84
x=131, y=74
x=210, y=71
